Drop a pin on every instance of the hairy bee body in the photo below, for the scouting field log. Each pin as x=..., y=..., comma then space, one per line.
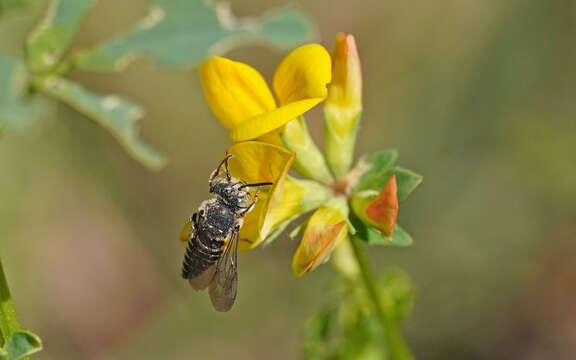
x=214, y=223
x=211, y=234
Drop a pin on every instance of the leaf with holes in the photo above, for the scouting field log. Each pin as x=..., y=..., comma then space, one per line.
x=178, y=33
x=113, y=113
x=48, y=42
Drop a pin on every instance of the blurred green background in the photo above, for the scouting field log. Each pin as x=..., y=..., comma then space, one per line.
x=478, y=96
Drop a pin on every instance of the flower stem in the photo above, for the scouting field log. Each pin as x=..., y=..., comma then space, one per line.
x=8, y=321
x=397, y=348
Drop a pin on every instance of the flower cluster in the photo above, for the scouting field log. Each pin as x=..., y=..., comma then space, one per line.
x=271, y=136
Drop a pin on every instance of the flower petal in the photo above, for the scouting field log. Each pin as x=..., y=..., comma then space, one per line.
x=235, y=91
x=255, y=162
x=298, y=196
x=271, y=120
x=303, y=74
x=326, y=228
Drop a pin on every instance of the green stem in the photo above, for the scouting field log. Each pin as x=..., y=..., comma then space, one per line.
x=397, y=348
x=8, y=321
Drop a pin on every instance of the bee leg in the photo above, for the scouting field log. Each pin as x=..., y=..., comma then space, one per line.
x=252, y=204
x=224, y=163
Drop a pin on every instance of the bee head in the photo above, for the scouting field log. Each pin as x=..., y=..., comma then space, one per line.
x=232, y=193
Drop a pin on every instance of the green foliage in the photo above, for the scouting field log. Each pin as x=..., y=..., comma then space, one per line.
x=178, y=33
x=377, y=170
x=53, y=35
x=174, y=33
x=113, y=113
x=351, y=330
x=16, y=112
x=317, y=335
x=22, y=343
x=406, y=181
x=372, y=236
x=397, y=293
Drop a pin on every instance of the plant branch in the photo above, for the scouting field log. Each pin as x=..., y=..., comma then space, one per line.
x=397, y=348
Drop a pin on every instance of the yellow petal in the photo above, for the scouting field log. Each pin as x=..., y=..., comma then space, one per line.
x=325, y=230
x=271, y=120
x=303, y=74
x=234, y=90
x=298, y=196
x=255, y=162
x=345, y=91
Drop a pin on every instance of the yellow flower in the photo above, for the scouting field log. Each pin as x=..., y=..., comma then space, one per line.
x=243, y=102
x=255, y=162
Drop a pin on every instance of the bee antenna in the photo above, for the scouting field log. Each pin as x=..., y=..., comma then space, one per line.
x=228, y=157
x=256, y=184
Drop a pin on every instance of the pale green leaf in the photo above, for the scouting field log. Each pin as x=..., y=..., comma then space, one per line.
x=22, y=343
x=16, y=111
x=48, y=42
x=178, y=33
x=115, y=114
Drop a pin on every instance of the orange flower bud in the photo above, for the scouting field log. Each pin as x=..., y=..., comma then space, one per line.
x=345, y=90
x=378, y=209
x=325, y=230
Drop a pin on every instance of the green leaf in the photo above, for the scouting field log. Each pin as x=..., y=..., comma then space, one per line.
x=16, y=112
x=113, y=113
x=406, y=181
x=178, y=33
x=368, y=234
x=48, y=42
x=21, y=344
x=377, y=170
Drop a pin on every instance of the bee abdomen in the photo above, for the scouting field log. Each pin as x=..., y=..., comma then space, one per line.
x=199, y=256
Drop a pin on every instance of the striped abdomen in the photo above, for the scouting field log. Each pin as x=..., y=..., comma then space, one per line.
x=203, y=251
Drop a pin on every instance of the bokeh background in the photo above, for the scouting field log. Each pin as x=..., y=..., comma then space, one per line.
x=478, y=96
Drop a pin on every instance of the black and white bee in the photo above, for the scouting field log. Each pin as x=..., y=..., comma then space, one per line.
x=212, y=237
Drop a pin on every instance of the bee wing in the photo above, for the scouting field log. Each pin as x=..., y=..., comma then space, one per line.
x=224, y=286
x=202, y=281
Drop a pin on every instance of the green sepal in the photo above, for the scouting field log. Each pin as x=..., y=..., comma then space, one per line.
x=376, y=170
x=340, y=147
x=406, y=181
x=22, y=343
x=309, y=159
x=370, y=235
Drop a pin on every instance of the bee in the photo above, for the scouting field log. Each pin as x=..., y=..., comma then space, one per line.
x=211, y=258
